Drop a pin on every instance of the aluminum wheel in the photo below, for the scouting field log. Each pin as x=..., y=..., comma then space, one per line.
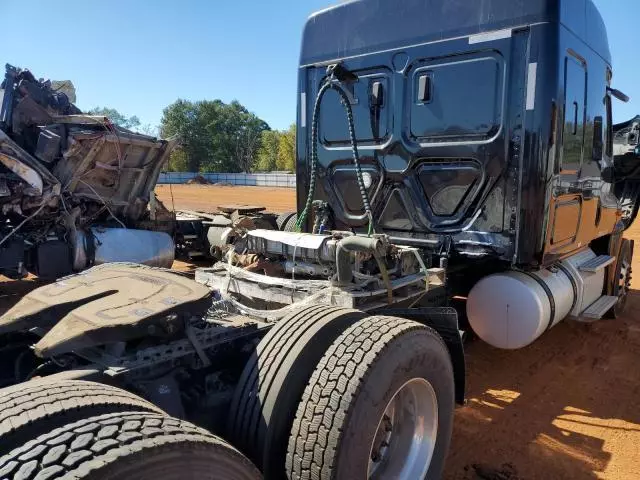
x=406, y=436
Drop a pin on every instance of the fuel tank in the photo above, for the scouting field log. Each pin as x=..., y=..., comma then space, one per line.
x=108, y=245
x=512, y=309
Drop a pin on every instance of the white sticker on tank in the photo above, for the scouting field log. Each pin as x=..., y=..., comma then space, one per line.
x=531, y=86
x=303, y=110
x=490, y=36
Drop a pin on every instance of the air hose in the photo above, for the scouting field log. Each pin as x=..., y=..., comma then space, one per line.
x=331, y=84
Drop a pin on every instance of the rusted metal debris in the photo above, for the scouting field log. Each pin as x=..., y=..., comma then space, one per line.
x=64, y=174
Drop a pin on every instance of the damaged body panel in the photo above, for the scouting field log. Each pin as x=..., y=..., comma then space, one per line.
x=63, y=173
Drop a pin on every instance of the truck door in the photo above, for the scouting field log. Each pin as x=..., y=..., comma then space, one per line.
x=567, y=203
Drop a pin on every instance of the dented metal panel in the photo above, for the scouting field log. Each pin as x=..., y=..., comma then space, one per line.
x=25, y=172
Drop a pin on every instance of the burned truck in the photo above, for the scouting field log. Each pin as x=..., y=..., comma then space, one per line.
x=75, y=190
x=445, y=151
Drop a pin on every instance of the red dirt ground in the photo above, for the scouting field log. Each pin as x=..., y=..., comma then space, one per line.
x=564, y=408
x=206, y=198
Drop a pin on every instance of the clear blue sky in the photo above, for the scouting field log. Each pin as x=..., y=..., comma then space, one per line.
x=139, y=56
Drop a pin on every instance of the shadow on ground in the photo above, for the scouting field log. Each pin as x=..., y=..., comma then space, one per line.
x=554, y=410
x=13, y=290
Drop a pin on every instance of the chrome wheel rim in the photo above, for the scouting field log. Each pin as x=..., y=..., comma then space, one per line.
x=405, y=439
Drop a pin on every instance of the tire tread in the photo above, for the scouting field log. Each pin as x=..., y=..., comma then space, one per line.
x=330, y=395
x=31, y=408
x=278, y=354
x=79, y=449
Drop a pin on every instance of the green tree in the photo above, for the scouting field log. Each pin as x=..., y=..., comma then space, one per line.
x=268, y=154
x=116, y=117
x=178, y=161
x=183, y=119
x=216, y=137
x=248, y=140
x=287, y=150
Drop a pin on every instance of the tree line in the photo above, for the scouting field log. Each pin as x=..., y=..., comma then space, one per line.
x=217, y=137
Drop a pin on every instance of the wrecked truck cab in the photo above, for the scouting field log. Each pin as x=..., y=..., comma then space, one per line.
x=71, y=184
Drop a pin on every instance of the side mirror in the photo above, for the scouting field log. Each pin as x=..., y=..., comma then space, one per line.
x=618, y=94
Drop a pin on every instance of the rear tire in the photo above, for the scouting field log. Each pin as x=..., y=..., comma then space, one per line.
x=290, y=226
x=348, y=423
x=271, y=385
x=38, y=406
x=622, y=279
x=130, y=445
x=282, y=220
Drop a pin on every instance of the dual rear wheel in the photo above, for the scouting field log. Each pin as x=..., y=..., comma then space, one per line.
x=363, y=397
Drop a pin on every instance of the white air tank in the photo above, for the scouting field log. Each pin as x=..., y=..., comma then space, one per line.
x=512, y=309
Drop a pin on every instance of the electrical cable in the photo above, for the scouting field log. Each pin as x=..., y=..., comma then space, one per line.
x=173, y=203
x=104, y=203
x=10, y=234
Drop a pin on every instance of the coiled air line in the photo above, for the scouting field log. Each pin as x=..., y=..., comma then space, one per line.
x=336, y=76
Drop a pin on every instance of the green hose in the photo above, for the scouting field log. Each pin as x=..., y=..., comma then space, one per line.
x=327, y=85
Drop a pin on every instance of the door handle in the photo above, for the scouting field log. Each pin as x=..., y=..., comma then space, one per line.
x=377, y=95
x=425, y=88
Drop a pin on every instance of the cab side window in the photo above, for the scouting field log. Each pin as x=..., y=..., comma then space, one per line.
x=575, y=83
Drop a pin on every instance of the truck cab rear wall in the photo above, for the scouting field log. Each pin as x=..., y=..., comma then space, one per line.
x=472, y=124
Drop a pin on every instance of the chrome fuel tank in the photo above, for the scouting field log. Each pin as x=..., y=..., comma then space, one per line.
x=108, y=245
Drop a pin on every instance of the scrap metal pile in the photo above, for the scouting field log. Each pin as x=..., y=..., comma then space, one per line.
x=75, y=189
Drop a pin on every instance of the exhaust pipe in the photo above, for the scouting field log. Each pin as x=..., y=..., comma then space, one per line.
x=346, y=246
